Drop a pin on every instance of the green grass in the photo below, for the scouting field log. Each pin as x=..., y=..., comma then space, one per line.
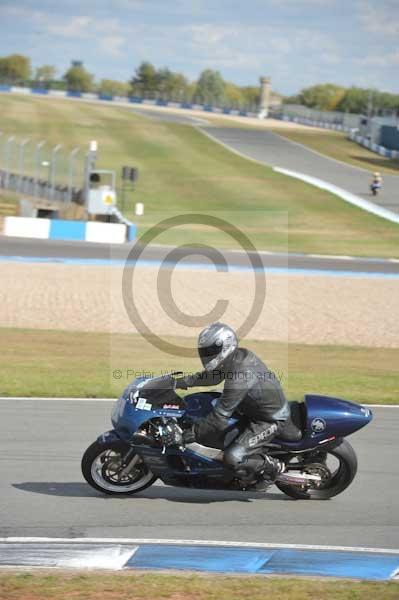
x=338, y=146
x=151, y=586
x=82, y=364
x=182, y=170
x=8, y=203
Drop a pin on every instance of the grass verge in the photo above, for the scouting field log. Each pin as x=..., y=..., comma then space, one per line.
x=148, y=586
x=337, y=145
x=182, y=170
x=57, y=363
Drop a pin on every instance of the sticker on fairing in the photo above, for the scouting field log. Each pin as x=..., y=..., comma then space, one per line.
x=318, y=425
x=142, y=404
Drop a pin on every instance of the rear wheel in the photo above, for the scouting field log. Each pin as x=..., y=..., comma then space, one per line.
x=337, y=468
x=103, y=470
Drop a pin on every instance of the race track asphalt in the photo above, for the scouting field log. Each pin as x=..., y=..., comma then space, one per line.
x=42, y=492
x=277, y=151
x=58, y=250
x=171, y=117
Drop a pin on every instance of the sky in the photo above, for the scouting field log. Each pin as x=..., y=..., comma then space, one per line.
x=297, y=43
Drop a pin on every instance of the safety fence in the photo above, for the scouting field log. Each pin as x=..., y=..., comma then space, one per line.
x=324, y=118
x=34, y=168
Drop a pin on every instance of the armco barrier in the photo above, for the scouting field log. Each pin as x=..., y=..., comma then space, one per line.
x=58, y=229
x=42, y=91
x=381, y=150
x=131, y=99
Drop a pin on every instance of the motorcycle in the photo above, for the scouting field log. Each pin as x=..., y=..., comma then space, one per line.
x=319, y=462
x=375, y=188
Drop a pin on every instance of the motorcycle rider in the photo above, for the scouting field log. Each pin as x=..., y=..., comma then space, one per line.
x=376, y=182
x=251, y=390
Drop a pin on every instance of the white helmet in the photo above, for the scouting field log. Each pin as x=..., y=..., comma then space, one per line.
x=215, y=343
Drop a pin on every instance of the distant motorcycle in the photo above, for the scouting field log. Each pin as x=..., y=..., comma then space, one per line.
x=320, y=463
x=375, y=188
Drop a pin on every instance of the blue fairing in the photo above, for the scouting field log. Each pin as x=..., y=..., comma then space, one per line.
x=325, y=417
x=127, y=417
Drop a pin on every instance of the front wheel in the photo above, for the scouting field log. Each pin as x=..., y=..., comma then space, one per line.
x=337, y=468
x=103, y=470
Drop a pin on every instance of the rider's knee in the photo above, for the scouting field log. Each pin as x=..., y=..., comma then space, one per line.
x=234, y=456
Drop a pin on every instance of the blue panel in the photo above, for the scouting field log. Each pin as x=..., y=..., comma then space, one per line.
x=160, y=102
x=135, y=99
x=226, y=111
x=389, y=137
x=243, y=113
x=73, y=94
x=5, y=88
x=107, y=97
x=186, y=105
x=42, y=91
x=199, y=558
x=332, y=564
x=131, y=233
x=67, y=230
x=208, y=108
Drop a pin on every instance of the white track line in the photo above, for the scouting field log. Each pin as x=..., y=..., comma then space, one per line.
x=26, y=398
x=370, y=207
x=135, y=541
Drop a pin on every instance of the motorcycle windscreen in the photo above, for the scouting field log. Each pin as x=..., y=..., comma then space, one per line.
x=160, y=392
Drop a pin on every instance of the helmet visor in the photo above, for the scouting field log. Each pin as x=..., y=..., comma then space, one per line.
x=209, y=353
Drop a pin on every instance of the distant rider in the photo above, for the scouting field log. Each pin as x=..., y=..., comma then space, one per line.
x=251, y=390
x=376, y=182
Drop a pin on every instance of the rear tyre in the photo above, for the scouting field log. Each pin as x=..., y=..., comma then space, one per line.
x=339, y=480
x=102, y=469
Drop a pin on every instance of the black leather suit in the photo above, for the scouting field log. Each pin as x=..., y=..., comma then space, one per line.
x=252, y=391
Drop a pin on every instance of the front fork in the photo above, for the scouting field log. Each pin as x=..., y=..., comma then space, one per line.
x=130, y=458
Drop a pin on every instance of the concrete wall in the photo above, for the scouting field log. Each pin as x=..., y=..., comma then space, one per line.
x=58, y=229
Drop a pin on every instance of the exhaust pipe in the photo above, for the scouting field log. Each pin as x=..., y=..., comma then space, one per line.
x=298, y=478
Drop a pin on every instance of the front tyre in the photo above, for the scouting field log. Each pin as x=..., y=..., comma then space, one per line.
x=334, y=479
x=102, y=468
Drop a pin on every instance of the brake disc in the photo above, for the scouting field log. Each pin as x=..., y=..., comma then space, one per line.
x=317, y=469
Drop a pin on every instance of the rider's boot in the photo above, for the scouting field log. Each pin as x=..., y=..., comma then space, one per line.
x=269, y=473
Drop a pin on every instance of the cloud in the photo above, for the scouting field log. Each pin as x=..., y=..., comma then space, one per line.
x=301, y=3
x=76, y=27
x=381, y=18
x=112, y=45
x=379, y=60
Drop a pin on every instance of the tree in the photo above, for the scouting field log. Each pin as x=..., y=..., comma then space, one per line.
x=355, y=100
x=324, y=96
x=234, y=95
x=171, y=85
x=110, y=87
x=251, y=97
x=145, y=79
x=14, y=68
x=78, y=79
x=210, y=88
x=45, y=73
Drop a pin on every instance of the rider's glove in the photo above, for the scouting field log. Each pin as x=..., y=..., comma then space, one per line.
x=189, y=435
x=181, y=383
x=172, y=435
